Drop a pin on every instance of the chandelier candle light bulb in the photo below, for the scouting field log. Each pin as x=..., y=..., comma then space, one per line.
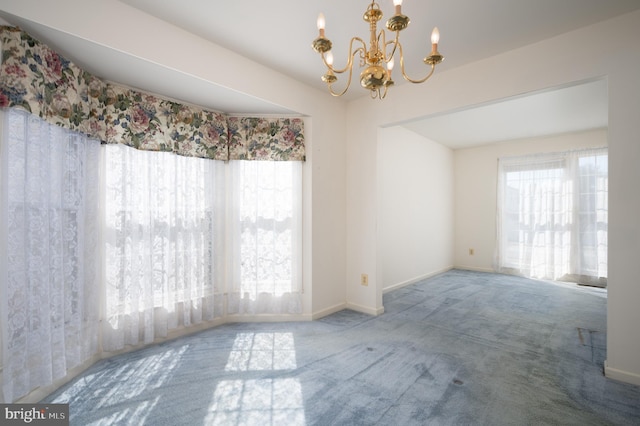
x=398, y=6
x=329, y=59
x=321, y=24
x=435, y=38
x=374, y=57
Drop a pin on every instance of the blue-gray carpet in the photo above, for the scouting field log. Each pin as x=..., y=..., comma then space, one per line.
x=462, y=348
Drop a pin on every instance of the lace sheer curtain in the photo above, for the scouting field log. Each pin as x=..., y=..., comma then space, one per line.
x=164, y=243
x=266, y=238
x=50, y=263
x=99, y=254
x=553, y=216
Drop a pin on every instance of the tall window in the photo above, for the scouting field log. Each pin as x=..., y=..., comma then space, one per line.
x=164, y=243
x=552, y=216
x=267, y=232
x=49, y=251
x=190, y=239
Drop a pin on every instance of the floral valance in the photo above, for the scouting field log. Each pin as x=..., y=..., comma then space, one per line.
x=252, y=138
x=43, y=82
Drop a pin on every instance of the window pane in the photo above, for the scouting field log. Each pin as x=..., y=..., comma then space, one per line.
x=553, y=215
x=267, y=217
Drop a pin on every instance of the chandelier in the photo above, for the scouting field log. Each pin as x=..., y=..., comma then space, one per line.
x=378, y=58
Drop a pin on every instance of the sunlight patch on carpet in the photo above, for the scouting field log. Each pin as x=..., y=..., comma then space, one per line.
x=262, y=352
x=259, y=401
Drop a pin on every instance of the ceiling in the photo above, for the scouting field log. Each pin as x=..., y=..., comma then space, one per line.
x=279, y=35
x=560, y=110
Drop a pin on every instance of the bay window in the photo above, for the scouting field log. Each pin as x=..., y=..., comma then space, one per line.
x=124, y=216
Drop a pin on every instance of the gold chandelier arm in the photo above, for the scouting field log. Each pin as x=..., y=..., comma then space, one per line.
x=405, y=76
x=394, y=43
x=336, y=94
x=384, y=95
x=352, y=54
x=382, y=45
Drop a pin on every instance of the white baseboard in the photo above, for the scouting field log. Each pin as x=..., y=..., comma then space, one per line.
x=474, y=268
x=620, y=375
x=267, y=318
x=365, y=309
x=328, y=311
x=415, y=280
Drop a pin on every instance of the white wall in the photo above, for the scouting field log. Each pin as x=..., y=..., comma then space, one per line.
x=607, y=49
x=415, y=207
x=327, y=213
x=623, y=282
x=476, y=177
